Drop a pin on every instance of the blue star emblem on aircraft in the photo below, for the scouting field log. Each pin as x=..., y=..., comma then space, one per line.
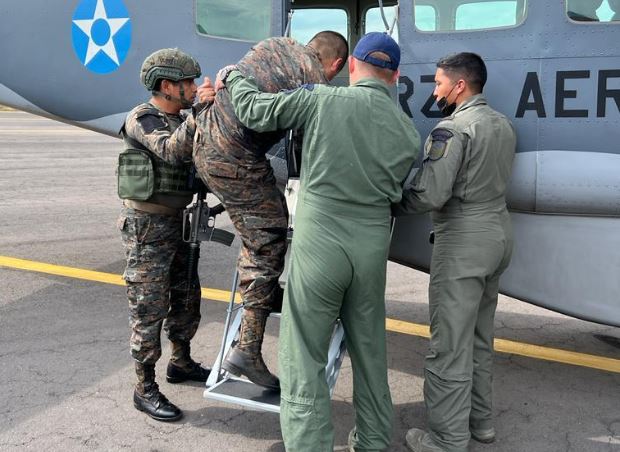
x=101, y=34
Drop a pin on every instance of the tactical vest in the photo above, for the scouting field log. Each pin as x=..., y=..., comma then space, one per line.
x=142, y=175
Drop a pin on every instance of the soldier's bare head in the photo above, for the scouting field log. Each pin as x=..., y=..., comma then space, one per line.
x=333, y=50
x=377, y=56
x=466, y=66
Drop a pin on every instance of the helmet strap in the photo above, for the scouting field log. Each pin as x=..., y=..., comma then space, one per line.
x=184, y=102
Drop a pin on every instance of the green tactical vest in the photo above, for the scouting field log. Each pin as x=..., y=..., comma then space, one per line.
x=143, y=175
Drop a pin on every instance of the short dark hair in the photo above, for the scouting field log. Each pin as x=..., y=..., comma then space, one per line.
x=466, y=65
x=331, y=44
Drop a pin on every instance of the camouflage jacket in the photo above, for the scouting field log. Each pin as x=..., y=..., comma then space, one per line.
x=276, y=64
x=170, y=137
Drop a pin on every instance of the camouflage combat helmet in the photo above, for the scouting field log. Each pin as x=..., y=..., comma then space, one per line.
x=168, y=64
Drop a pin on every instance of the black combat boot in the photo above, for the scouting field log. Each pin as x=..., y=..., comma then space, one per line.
x=148, y=399
x=182, y=367
x=245, y=357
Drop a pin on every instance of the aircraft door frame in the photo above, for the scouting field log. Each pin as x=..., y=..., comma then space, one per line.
x=280, y=9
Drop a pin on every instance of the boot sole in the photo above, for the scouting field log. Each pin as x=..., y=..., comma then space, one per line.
x=174, y=380
x=484, y=439
x=158, y=418
x=487, y=440
x=237, y=372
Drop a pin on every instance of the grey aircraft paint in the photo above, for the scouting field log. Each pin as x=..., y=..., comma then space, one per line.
x=559, y=81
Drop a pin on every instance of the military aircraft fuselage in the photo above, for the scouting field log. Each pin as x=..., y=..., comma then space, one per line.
x=556, y=77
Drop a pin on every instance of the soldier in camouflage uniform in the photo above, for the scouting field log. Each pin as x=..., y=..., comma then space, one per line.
x=231, y=159
x=154, y=179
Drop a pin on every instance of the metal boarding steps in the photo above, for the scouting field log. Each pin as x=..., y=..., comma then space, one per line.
x=228, y=388
x=225, y=387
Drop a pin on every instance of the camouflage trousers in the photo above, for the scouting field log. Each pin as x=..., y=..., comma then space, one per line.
x=158, y=289
x=257, y=209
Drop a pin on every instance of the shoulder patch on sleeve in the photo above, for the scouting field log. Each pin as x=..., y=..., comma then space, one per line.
x=438, y=143
x=151, y=121
x=441, y=135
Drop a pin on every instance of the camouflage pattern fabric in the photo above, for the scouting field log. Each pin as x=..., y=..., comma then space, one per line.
x=145, y=374
x=258, y=211
x=169, y=64
x=252, y=328
x=231, y=159
x=168, y=136
x=276, y=64
x=158, y=289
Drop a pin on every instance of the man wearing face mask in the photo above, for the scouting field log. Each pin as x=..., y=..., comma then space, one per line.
x=463, y=181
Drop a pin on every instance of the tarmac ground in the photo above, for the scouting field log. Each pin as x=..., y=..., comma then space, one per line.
x=67, y=376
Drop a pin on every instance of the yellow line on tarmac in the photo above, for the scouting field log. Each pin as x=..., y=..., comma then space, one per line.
x=397, y=326
x=89, y=275
x=519, y=348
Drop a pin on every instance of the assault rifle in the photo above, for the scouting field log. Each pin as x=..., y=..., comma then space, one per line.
x=199, y=226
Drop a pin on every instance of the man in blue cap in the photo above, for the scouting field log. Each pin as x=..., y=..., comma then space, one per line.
x=358, y=148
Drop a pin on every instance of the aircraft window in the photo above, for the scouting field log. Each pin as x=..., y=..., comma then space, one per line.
x=374, y=22
x=247, y=20
x=461, y=15
x=485, y=15
x=308, y=22
x=593, y=10
x=425, y=17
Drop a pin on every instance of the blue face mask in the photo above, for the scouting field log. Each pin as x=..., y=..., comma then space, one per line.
x=443, y=105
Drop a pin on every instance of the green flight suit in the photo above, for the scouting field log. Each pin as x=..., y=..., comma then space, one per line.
x=463, y=181
x=357, y=150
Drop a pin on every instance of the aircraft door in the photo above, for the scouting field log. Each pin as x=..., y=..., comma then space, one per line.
x=307, y=19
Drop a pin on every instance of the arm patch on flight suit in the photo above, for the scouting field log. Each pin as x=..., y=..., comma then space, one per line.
x=438, y=144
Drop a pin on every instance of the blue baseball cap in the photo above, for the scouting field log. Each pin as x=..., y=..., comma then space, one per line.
x=378, y=42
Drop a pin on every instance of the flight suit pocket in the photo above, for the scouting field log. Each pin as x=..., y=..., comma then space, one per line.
x=301, y=422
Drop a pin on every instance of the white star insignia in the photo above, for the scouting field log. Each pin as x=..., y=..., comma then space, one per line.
x=108, y=48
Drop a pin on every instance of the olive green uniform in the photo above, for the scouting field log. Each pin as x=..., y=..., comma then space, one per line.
x=467, y=165
x=358, y=148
